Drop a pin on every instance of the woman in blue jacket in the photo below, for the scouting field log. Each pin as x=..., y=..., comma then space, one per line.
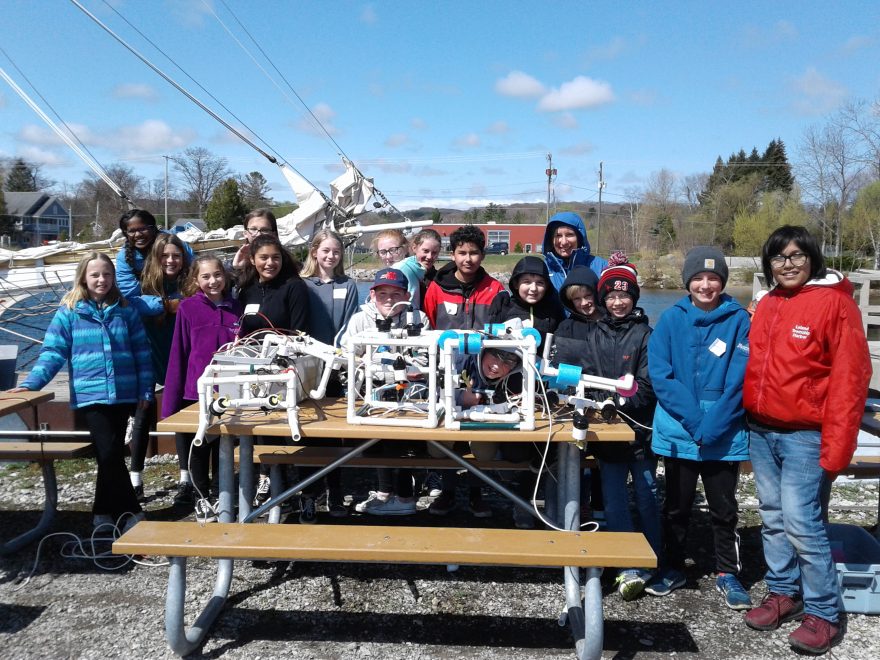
x=697, y=359
x=566, y=246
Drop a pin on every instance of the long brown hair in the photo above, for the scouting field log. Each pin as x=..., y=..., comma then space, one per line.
x=289, y=265
x=153, y=282
x=81, y=292
x=191, y=286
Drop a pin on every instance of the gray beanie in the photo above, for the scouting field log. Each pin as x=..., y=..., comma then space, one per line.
x=704, y=258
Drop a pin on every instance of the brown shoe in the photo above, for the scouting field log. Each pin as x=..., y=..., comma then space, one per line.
x=815, y=635
x=773, y=611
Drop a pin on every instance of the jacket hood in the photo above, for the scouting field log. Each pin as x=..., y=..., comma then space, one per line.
x=833, y=279
x=578, y=276
x=528, y=266
x=369, y=309
x=636, y=316
x=569, y=219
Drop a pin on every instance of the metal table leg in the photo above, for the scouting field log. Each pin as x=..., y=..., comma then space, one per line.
x=181, y=639
x=47, y=518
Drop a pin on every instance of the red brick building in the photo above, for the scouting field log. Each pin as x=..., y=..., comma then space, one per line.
x=531, y=237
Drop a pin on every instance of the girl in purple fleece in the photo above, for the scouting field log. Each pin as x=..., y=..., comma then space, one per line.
x=206, y=320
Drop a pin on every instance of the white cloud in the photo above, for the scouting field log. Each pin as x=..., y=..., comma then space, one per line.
x=498, y=128
x=368, y=15
x=393, y=167
x=151, y=136
x=520, y=85
x=324, y=114
x=608, y=51
x=427, y=170
x=192, y=13
x=856, y=43
x=42, y=156
x=581, y=92
x=418, y=123
x=578, y=149
x=759, y=36
x=784, y=30
x=566, y=120
x=135, y=91
x=816, y=94
x=396, y=140
x=468, y=140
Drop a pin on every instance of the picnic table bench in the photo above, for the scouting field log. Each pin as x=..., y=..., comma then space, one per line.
x=37, y=451
x=568, y=548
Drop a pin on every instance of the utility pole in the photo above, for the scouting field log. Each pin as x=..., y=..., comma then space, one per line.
x=599, y=215
x=550, y=172
x=166, y=193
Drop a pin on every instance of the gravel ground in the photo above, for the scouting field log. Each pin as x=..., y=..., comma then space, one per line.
x=71, y=608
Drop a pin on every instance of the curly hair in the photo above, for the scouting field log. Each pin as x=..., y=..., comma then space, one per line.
x=467, y=234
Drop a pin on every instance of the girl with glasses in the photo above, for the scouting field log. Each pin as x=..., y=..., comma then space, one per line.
x=259, y=222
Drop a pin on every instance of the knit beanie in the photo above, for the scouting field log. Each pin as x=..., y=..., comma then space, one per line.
x=704, y=258
x=620, y=275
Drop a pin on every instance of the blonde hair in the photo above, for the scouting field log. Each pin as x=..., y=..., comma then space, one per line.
x=191, y=286
x=426, y=235
x=81, y=292
x=389, y=233
x=153, y=277
x=311, y=265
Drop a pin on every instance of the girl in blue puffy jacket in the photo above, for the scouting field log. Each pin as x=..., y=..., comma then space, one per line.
x=696, y=359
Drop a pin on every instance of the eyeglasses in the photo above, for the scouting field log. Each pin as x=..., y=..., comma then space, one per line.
x=390, y=251
x=506, y=358
x=253, y=231
x=618, y=296
x=796, y=258
x=134, y=231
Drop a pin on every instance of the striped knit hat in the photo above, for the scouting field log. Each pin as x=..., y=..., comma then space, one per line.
x=620, y=275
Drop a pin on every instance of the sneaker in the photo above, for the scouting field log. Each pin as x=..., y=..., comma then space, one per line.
x=665, y=582
x=132, y=520
x=262, y=491
x=815, y=635
x=374, y=496
x=630, y=584
x=139, y=493
x=735, y=596
x=309, y=513
x=206, y=511
x=433, y=484
x=442, y=504
x=523, y=519
x=185, y=494
x=103, y=520
x=393, y=506
x=337, y=510
x=479, y=508
x=774, y=610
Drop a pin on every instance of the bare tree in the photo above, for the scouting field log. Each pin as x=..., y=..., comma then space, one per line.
x=862, y=119
x=829, y=170
x=101, y=200
x=200, y=172
x=692, y=186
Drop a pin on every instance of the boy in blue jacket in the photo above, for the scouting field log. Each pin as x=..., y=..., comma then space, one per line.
x=697, y=359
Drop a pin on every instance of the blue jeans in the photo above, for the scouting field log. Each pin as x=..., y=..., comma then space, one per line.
x=791, y=488
x=616, y=497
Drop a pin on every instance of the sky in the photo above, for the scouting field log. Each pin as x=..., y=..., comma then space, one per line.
x=448, y=104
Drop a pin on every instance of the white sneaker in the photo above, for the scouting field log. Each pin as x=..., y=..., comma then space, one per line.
x=205, y=511
x=433, y=484
x=375, y=496
x=393, y=506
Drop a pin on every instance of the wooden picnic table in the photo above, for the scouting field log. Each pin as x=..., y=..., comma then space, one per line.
x=327, y=419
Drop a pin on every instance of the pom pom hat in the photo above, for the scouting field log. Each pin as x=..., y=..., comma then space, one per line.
x=620, y=275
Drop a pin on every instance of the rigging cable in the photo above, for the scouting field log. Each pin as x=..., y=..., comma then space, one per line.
x=87, y=158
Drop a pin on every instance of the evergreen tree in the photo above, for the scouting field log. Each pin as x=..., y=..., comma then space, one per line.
x=5, y=220
x=436, y=218
x=226, y=207
x=777, y=168
x=254, y=190
x=21, y=178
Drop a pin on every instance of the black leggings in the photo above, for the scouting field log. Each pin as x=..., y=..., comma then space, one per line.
x=202, y=462
x=114, y=494
x=144, y=422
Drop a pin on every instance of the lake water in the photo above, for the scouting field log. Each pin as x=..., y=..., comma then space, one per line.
x=31, y=317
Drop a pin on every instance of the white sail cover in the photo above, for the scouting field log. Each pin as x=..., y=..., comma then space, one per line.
x=350, y=191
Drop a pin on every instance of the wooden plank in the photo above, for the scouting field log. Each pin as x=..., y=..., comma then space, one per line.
x=328, y=420
x=37, y=451
x=404, y=545
x=863, y=466
x=12, y=402
x=302, y=455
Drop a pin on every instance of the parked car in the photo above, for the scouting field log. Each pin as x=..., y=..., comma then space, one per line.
x=499, y=247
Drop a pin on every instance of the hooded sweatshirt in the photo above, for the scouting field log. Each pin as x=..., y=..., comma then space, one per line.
x=545, y=315
x=454, y=305
x=331, y=305
x=809, y=366
x=365, y=321
x=560, y=267
x=697, y=361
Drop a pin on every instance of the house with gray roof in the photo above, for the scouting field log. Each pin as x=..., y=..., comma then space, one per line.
x=36, y=218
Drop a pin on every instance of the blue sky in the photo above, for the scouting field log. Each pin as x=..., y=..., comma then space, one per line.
x=451, y=104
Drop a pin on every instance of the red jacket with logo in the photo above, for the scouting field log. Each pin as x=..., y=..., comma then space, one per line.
x=454, y=305
x=809, y=366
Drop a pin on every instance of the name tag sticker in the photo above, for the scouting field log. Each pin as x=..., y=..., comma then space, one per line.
x=718, y=348
x=339, y=294
x=451, y=307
